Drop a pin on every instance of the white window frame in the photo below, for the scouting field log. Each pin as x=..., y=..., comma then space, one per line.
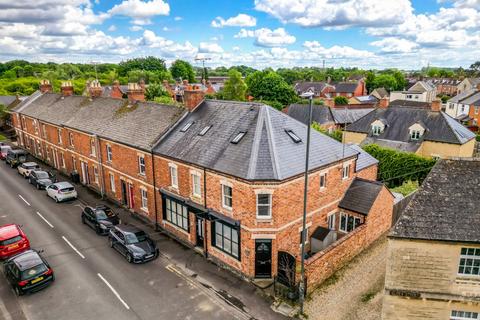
x=173, y=169
x=323, y=180
x=109, y=153
x=95, y=174
x=345, y=171
x=59, y=136
x=464, y=315
x=93, y=148
x=331, y=220
x=196, y=187
x=71, y=140
x=269, y=205
x=469, y=254
x=347, y=216
x=62, y=159
x=112, y=182
x=415, y=134
x=144, y=199
x=224, y=196
x=376, y=130
x=141, y=165
x=44, y=129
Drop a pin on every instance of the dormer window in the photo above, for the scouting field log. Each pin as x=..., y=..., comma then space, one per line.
x=415, y=134
x=376, y=130
x=416, y=131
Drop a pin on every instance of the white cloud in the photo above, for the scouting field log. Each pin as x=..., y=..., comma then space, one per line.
x=141, y=11
x=395, y=45
x=112, y=28
x=166, y=29
x=135, y=28
x=338, y=13
x=167, y=47
x=178, y=18
x=241, y=20
x=209, y=47
x=335, y=52
x=265, y=37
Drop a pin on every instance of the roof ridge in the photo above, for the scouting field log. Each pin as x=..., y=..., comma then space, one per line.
x=252, y=167
x=273, y=151
x=448, y=124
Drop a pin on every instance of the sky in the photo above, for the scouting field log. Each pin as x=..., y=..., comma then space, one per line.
x=373, y=34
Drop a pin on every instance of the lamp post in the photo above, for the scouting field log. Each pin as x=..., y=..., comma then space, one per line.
x=301, y=287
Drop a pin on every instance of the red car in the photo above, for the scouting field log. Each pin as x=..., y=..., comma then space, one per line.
x=3, y=151
x=12, y=241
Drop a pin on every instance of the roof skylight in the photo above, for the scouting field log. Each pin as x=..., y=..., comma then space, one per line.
x=186, y=127
x=204, y=130
x=238, y=137
x=294, y=137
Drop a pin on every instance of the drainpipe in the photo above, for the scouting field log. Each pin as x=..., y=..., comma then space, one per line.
x=205, y=233
x=100, y=165
x=154, y=192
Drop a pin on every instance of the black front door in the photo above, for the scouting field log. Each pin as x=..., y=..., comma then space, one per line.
x=124, y=193
x=200, y=231
x=263, y=258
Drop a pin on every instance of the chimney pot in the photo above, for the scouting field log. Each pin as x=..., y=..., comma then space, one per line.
x=185, y=82
x=436, y=105
x=45, y=86
x=383, y=103
x=135, y=92
x=95, y=89
x=192, y=98
x=329, y=102
x=66, y=88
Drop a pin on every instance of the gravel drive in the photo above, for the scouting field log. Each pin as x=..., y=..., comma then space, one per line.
x=355, y=291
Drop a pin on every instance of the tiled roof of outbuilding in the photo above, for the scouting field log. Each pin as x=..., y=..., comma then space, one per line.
x=361, y=196
x=348, y=87
x=447, y=205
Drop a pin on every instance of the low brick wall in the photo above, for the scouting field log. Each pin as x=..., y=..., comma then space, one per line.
x=325, y=263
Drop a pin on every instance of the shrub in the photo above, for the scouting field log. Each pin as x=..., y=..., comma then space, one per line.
x=340, y=101
x=406, y=188
x=335, y=134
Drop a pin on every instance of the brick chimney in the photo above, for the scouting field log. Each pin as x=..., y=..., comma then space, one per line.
x=192, y=98
x=329, y=102
x=383, y=103
x=66, y=88
x=116, y=92
x=95, y=89
x=436, y=105
x=168, y=88
x=45, y=86
x=135, y=92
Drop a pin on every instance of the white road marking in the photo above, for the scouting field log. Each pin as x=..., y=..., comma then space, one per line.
x=75, y=249
x=3, y=309
x=43, y=218
x=28, y=204
x=114, y=291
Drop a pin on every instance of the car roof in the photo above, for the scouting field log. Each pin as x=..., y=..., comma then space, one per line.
x=5, y=147
x=18, y=151
x=64, y=184
x=128, y=228
x=27, y=259
x=8, y=231
x=30, y=164
x=37, y=171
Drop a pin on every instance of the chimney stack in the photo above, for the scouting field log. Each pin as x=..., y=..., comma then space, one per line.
x=383, y=103
x=95, y=89
x=67, y=88
x=135, y=92
x=329, y=102
x=192, y=98
x=45, y=86
x=436, y=105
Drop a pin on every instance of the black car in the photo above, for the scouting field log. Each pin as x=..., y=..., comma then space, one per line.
x=133, y=243
x=16, y=157
x=28, y=272
x=100, y=218
x=40, y=179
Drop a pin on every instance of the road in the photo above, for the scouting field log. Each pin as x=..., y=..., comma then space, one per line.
x=92, y=280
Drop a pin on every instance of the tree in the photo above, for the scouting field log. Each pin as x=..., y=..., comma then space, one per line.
x=475, y=67
x=386, y=81
x=235, y=88
x=147, y=64
x=155, y=90
x=182, y=70
x=268, y=85
x=340, y=101
x=370, y=81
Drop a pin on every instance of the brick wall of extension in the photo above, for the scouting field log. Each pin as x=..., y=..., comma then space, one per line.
x=119, y=178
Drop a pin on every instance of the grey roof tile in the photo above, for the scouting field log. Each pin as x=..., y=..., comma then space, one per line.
x=364, y=159
x=348, y=87
x=446, y=206
x=361, y=196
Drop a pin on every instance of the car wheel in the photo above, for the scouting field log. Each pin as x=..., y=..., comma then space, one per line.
x=129, y=258
x=110, y=242
x=18, y=292
x=56, y=199
x=83, y=220
x=38, y=186
x=98, y=230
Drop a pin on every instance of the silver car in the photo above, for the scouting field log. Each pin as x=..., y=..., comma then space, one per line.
x=61, y=191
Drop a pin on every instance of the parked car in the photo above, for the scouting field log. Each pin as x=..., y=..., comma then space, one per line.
x=25, y=168
x=133, y=243
x=12, y=240
x=40, y=179
x=61, y=191
x=3, y=151
x=15, y=157
x=101, y=218
x=28, y=272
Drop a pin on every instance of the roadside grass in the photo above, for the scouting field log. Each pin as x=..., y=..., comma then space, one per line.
x=2, y=137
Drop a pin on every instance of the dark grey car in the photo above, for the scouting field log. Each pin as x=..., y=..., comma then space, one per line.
x=40, y=179
x=133, y=243
x=101, y=218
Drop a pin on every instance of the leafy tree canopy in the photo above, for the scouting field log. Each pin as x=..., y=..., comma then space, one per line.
x=182, y=70
x=235, y=88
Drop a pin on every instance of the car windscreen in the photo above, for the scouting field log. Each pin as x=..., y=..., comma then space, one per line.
x=136, y=237
x=33, y=271
x=5, y=148
x=104, y=214
x=67, y=189
x=42, y=175
x=22, y=158
x=10, y=241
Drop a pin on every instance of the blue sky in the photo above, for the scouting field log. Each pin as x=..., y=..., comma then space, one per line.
x=261, y=33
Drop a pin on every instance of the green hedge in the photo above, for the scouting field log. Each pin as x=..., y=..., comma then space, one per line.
x=396, y=167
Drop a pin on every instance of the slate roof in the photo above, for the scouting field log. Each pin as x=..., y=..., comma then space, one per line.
x=408, y=103
x=440, y=127
x=138, y=126
x=361, y=195
x=364, y=159
x=324, y=115
x=446, y=207
x=367, y=99
x=348, y=87
x=7, y=100
x=472, y=99
x=321, y=233
x=305, y=86
x=266, y=152
x=382, y=92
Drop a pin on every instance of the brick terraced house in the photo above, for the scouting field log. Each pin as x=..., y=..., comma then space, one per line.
x=433, y=260
x=223, y=177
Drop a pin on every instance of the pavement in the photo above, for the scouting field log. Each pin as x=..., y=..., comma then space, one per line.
x=93, y=281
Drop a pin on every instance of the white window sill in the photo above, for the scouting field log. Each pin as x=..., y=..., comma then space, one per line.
x=264, y=218
x=176, y=227
x=144, y=209
x=226, y=208
x=197, y=196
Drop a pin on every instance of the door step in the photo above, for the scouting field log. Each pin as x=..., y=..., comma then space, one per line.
x=262, y=283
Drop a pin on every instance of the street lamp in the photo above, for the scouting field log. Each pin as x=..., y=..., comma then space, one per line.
x=301, y=287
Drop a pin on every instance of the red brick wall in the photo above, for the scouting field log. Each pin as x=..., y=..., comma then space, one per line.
x=369, y=173
x=324, y=263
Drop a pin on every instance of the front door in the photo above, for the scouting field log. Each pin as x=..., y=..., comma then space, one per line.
x=124, y=192
x=200, y=231
x=263, y=258
x=85, y=179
